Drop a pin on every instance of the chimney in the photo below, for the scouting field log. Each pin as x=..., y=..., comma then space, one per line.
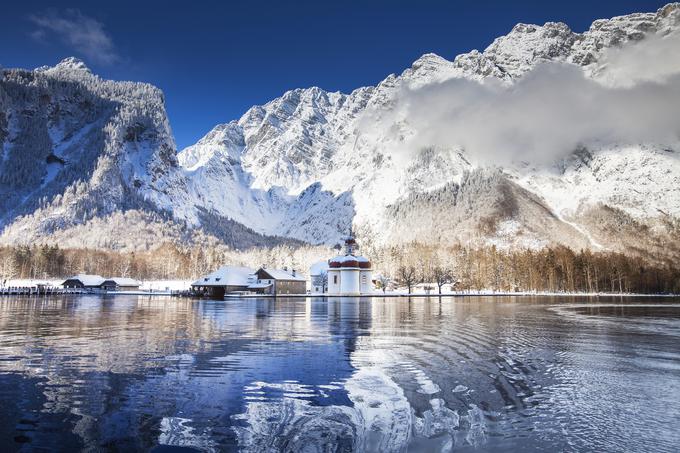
x=293, y=272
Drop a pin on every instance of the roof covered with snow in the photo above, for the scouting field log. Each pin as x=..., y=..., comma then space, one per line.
x=349, y=261
x=345, y=258
x=123, y=281
x=284, y=274
x=87, y=279
x=227, y=276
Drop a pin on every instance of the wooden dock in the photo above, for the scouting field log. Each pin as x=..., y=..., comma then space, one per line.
x=39, y=291
x=59, y=291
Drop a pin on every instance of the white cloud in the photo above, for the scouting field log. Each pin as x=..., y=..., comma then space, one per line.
x=82, y=33
x=546, y=114
x=655, y=59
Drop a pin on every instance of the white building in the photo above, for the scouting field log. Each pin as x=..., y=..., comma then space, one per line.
x=349, y=274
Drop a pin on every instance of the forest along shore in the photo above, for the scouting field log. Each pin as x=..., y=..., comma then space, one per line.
x=550, y=270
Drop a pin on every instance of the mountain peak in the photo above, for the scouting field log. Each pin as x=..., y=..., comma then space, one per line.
x=429, y=59
x=669, y=9
x=72, y=64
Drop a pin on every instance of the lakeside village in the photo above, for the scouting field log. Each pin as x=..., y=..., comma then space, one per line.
x=348, y=274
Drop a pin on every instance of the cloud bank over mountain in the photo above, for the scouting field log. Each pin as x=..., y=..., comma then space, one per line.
x=547, y=113
x=653, y=59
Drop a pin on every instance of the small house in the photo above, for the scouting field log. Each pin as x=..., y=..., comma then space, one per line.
x=83, y=281
x=278, y=281
x=120, y=284
x=226, y=279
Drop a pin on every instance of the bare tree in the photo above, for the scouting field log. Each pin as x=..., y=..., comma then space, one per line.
x=407, y=275
x=321, y=280
x=442, y=276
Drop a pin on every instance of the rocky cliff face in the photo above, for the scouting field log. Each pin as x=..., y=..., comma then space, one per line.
x=92, y=162
x=310, y=163
x=73, y=139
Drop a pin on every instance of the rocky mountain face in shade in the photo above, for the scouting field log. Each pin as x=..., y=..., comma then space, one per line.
x=92, y=162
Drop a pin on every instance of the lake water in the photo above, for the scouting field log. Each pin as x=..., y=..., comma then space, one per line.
x=458, y=374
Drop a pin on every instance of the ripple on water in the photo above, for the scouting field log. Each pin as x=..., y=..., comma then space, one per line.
x=384, y=375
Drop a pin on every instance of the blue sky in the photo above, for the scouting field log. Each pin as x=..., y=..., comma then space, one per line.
x=214, y=60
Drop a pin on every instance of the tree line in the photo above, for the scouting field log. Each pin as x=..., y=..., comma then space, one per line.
x=554, y=269
x=551, y=269
x=168, y=261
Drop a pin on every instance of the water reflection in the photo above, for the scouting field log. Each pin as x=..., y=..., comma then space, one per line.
x=340, y=374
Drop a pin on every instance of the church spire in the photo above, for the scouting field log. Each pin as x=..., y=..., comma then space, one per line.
x=350, y=243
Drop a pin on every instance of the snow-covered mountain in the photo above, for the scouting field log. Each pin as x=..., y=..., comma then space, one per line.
x=92, y=162
x=547, y=136
x=355, y=145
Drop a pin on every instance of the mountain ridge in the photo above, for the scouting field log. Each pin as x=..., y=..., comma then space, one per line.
x=310, y=163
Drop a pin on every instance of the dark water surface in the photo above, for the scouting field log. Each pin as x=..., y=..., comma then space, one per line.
x=464, y=374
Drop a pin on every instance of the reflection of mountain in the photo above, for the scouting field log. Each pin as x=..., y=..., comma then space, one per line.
x=340, y=374
x=282, y=373
x=113, y=366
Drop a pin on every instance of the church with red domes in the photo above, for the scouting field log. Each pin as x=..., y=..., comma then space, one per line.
x=349, y=274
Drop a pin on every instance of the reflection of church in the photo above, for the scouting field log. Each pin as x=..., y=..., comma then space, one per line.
x=349, y=274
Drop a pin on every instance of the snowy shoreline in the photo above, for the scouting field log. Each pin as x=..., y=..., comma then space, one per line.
x=145, y=287
x=167, y=287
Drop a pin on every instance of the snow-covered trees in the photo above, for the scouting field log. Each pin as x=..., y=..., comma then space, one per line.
x=321, y=280
x=9, y=268
x=76, y=147
x=383, y=282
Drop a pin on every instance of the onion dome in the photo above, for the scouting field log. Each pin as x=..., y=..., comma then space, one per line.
x=347, y=261
x=364, y=263
x=350, y=262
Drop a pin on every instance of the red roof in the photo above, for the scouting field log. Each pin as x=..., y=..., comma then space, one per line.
x=349, y=261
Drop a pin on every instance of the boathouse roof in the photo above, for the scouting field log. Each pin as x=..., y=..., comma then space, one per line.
x=87, y=279
x=123, y=281
x=227, y=276
x=283, y=274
